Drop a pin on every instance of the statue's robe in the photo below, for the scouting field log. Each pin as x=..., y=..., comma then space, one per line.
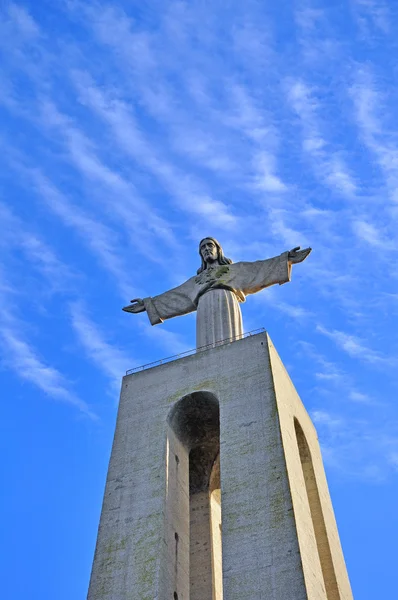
x=215, y=294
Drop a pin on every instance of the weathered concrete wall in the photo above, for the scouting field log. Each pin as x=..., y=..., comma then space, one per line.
x=130, y=537
x=268, y=542
x=201, y=580
x=316, y=525
x=260, y=548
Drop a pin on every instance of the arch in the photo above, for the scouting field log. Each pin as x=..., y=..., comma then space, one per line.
x=195, y=418
x=194, y=422
x=318, y=521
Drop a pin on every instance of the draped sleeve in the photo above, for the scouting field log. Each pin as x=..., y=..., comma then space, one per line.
x=255, y=276
x=174, y=303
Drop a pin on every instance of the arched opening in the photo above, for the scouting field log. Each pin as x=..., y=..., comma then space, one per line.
x=318, y=521
x=195, y=431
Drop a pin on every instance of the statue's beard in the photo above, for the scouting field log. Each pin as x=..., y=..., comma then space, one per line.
x=210, y=261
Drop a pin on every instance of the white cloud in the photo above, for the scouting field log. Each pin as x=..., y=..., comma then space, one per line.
x=214, y=138
x=327, y=162
x=393, y=457
x=355, y=347
x=265, y=179
x=171, y=342
x=283, y=230
x=111, y=360
x=22, y=21
x=372, y=15
x=330, y=373
x=324, y=418
x=376, y=125
x=20, y=357
x=186, y=189
x=100, y=238
x=372, y=235
x=271, y=297
x=360, y=397
x=133, y=211
x=309, y=18
x=59, y=276
x=356, y=448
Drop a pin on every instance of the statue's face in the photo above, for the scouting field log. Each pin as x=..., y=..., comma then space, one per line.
x=208, y=251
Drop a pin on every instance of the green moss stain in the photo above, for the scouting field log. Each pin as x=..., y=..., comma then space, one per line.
x=146, y=554
x=110, y=550
x=142, y=547
x=110, y=562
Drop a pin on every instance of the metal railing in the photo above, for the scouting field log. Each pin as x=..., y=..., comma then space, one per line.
x=163, y=361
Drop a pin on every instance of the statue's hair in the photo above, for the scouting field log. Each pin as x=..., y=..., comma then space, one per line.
x=222, y=260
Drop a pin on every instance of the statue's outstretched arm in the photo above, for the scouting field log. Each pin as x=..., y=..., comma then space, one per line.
x=170, y=304
x=137, y=305
x=255, y=276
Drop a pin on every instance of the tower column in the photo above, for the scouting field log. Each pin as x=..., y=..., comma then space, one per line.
x=278, y=533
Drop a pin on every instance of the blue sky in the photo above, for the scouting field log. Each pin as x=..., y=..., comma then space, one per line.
x=130, y=130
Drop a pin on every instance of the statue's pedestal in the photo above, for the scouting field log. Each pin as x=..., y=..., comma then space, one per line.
x=160, y=535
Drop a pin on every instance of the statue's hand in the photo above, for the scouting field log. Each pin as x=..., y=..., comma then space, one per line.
x=297, y=256
x=137, y=305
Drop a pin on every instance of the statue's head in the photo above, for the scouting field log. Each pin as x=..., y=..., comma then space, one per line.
x=211, y=252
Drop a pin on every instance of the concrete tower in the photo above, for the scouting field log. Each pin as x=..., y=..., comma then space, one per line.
x=216, y=488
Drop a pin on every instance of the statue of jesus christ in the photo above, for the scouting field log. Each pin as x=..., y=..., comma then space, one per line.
x=216, y=290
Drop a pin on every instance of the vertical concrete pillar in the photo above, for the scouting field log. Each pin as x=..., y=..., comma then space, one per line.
x=279, y=536
x=201, y=580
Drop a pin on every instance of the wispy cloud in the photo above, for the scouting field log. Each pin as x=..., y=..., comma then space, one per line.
x=20, y=356
x=355, y=448
x=110, y=359
x=333, y=377
x=110, y=188
x=133, y=211
x=19, y=21
x=327, y=161
x=370, y=234
x=214, y=138
x=360, y=397
x=100, y=238
x=372, y=15
x=186, y=189
x=376, y=126
x=317, y=39
x=330, y=373
x=16, y=235
x=171, y=342
x=265, y=179
x=355, y=347
x=394, y=459
x=271, y=297
x=23, y=359
x=324, y=418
